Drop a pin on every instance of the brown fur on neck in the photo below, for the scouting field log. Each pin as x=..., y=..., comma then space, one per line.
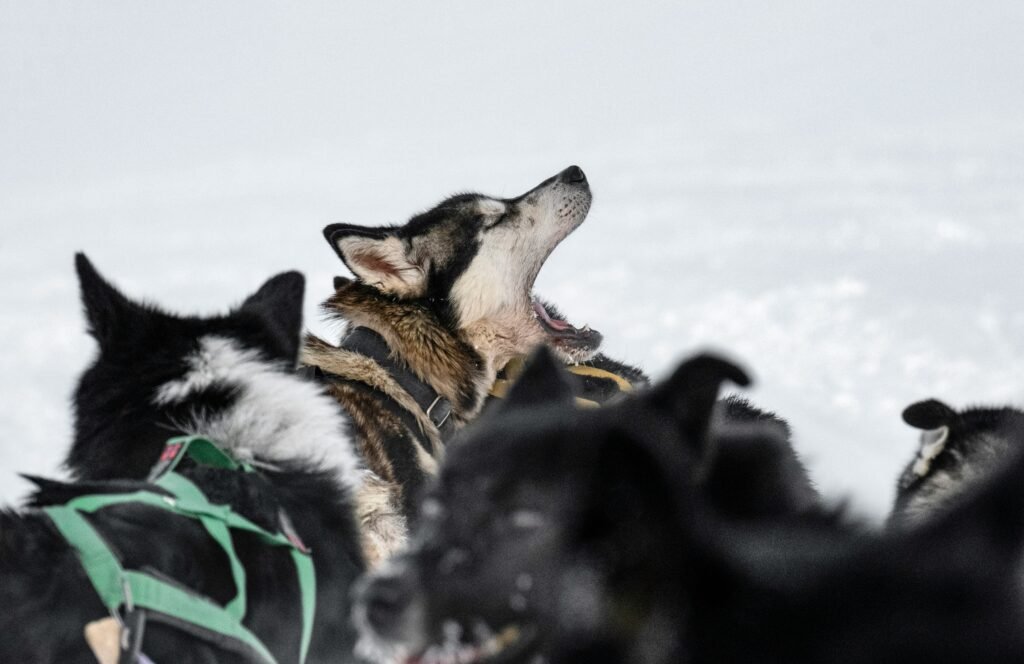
x=437, y=355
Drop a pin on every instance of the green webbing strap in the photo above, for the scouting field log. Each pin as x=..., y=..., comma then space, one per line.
x=307, y=588
x=202, y=450
x=116, y=585
x=188, y=495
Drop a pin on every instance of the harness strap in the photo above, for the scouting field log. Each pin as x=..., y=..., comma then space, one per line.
x=189, y=493
x=366, y=342
x=515, y=367
x=116, y=585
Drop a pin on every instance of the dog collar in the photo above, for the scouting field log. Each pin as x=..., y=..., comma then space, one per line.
x=366, y=342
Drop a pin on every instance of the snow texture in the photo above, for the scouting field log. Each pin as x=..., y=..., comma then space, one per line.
x=832, y=195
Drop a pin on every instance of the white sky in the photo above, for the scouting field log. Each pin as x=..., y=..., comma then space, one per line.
x=93, y=88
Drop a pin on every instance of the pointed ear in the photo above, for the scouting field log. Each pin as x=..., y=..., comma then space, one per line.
x=544, y=382
x=689, y=396
x=929, y=414
x=379, y=258
x=107, y=311
x=278, y=303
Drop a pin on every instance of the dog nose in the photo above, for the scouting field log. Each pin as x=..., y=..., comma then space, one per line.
x=384, y=599
x=573, y=175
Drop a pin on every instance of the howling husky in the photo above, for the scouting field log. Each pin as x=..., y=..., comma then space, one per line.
x=437, y=308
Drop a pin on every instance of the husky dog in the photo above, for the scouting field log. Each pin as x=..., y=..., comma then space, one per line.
x=437, y=307
x=958, y=450
x=229, y=378
x=592, y=536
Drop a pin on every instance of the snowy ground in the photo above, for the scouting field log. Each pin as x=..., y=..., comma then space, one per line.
x=833, y=194
x=852, y=277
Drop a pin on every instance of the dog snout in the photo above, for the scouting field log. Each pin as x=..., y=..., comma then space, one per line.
x=384, y=600
x=573, y=175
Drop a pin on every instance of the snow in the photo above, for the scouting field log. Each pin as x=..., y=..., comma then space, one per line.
x=832, y=196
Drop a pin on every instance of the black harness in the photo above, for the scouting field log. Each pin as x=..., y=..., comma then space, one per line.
x=364, y=341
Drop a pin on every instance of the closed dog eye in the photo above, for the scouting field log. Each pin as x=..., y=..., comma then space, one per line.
x=498, y=221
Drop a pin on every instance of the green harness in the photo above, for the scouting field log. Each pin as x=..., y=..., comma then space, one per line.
x=117, y=586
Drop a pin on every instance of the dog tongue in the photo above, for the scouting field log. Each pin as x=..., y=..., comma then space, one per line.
x=559, y=325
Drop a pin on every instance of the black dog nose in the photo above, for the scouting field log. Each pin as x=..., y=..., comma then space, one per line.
x=385, y=599
x=573, y=175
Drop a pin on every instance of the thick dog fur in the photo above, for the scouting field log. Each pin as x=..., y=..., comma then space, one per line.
x=753, y=449
x=603, y=536
x=958, y=451
x=495, y=557
x=450, y=293
x=230, y=378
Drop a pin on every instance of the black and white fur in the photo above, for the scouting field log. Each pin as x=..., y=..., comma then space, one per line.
x=230, y=378
x=958, y=451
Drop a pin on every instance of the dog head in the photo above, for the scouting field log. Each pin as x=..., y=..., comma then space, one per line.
x=229, y=377
x=474, y=259
x=957, y=449
x=547, y=522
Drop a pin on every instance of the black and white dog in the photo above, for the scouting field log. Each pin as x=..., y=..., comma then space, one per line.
x=230, y=378
x=958, y=451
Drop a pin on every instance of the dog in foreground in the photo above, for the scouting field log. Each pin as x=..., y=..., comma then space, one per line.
x=612, y=536
x=230, y=378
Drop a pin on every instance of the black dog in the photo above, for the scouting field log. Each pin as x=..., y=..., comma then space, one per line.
x=612, y=536
x=535, y=523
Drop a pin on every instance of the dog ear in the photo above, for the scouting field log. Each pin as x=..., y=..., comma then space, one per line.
x=544, y=382
x=379, y=258
x=278, y=303
x=689, y=396
x=928, y=415
x=107, y=312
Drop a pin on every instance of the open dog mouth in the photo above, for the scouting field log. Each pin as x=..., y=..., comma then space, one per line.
x=579, y=343
x=507, y=644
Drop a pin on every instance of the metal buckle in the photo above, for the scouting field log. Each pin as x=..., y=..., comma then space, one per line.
x=446, y=415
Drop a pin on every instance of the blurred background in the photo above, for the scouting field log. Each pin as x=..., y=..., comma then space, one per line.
x=832, y=193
